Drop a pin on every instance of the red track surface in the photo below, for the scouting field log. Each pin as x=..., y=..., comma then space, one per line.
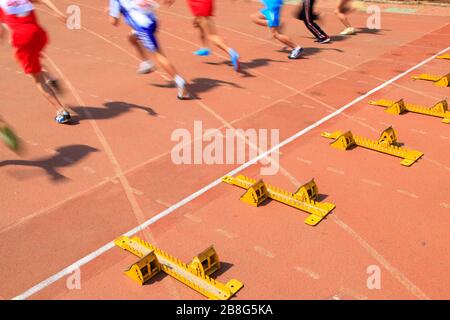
x=84, y=185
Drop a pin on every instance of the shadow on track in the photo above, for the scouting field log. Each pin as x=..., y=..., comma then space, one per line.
x=108, y=111
x=65, y=157
x=198, y=86
x=247, y=66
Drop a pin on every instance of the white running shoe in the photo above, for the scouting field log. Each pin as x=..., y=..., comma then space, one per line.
x=295, y=53
x=145, y=67
x=181, y=86
x=348, y=31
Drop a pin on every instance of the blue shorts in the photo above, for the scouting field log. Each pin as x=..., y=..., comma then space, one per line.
x=147, y=37
x=272, y=14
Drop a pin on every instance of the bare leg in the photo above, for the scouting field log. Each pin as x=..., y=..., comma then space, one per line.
x=282, y=38
x=164, y=63
x=203, y=35
x=135, y=43
x=259, y=19
x=167, y=66
x=340, y=12
x=209, y=29
x=41, y=82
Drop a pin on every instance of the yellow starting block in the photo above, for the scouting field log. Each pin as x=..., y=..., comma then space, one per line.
x=196, y=274
x=439, y=110
x=440, y=81
x=387, y=143
x=445, y=56
x=305, y=198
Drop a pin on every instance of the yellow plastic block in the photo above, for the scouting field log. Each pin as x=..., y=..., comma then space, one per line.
x=388, y=137
x=303, y=199
x=341, y=141
x=397, y=108
x=386, y=144
x=206, y=263
x=445, y=56
x=440, y=81
x=144, y=269
x=256, y=194
x=195, y=278
x=307, y=192
x=439, y=110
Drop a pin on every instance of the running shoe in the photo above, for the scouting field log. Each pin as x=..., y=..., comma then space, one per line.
x=295, y=53
x=235, y=60
x=145, y=67
x=202, y=52
x=348, y=31
x=181, y=86
x=323, y=41
x=62, y=117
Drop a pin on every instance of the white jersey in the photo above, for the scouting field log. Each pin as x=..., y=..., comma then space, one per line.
x=139, y=14
x=16, y=7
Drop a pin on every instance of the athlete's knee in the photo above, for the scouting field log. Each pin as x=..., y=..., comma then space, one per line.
x=255, y=17
x=38, y=78
x=196, y=22
x=201, y=21
x=275, y=33
x=339, y=10
x=132, y=38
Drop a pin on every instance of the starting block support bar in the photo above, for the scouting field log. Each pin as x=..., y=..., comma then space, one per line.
x=445, y=56
x=386, y=144
x=304, y=199
x=192, y=275
x=440, y=81
x=439, y=110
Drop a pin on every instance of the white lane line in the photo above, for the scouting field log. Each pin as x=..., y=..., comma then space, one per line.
x=371, y=182
x=226, y=234
x=89, y=169
x=308, y=272
x=68, y=160
x=112, y=180
x=418, y=131
x=264, y=252
x=137, y=192
x=334, y=170
x=407, y=193
x=304, y=160
x=76, y=265
x=163, y=203
x=193, y=218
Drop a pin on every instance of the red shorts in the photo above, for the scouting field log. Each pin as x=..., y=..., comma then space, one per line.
x=29, y=41
x=201, y=8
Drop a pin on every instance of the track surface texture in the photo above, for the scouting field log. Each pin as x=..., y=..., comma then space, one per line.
x=76, y=188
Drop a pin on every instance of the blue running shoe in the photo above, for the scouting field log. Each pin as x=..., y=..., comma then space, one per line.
x=202, y=52
x=235, y=60
x=62, y=117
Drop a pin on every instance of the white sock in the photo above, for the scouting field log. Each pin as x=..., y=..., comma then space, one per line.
x=146, y=63
x=179, y=81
